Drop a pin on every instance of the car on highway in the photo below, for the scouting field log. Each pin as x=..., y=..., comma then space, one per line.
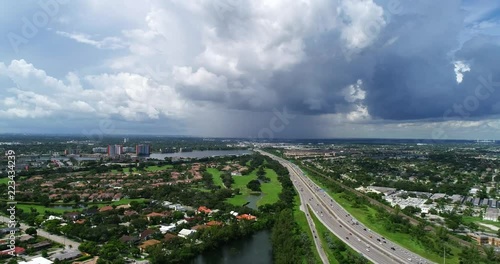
x=393, y=248
x=368, y=249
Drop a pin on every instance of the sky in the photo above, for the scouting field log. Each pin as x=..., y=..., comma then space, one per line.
x=255, y=69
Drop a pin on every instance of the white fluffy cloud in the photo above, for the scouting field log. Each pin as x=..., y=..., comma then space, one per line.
x=460, y=68
x=124, y=95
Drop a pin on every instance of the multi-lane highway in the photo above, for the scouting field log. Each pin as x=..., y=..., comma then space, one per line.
x=373, y=246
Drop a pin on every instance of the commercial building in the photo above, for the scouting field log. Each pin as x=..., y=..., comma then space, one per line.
x=115, y=150
x=142, y=150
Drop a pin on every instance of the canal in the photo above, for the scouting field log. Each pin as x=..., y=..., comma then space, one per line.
x=252, y=250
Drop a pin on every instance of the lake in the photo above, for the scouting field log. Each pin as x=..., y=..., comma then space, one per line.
x=252, y=250
x=199, y=154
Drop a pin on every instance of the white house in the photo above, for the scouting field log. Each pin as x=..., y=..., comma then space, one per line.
x=165, y=229
x=180, y=222
x=186, y=232
x=38, y=260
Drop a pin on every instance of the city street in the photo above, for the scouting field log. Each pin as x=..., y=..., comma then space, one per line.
x=56, y=238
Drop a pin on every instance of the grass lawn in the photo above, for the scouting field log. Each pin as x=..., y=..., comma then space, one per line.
x=216, y=177
x=301, y=220
x=4, y=180
x=241, y=183
x=122, y=201
x=403, y=240
x=237, y=200
x=271, y=190
x=41, y=209
x=159, y=168
x=475, y=219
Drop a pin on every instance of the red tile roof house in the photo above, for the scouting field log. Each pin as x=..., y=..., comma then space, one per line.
x=117, y=197
x=204, y=209
x=129, y=213
x=17, y=251
x=153, y=214
x=175, y=175
x=106, y=208
x=199, y=227
x=214, y=223
x=246, y=217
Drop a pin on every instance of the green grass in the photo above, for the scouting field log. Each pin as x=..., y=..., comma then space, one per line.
x=237, y=200
x=122, y=201
x=158, y=168
x=474, y=219
x=271, y=190
x=4, y=180
x=404, y=240
x=301, y=220
x=241, y=183
x=41, y=209
x=216, y=177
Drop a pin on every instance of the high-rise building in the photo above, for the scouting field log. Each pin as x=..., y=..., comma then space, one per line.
x=142, y=150
x=115, y=150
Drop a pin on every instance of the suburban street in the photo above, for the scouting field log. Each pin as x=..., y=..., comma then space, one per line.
x=59, y=239
x=370, y=244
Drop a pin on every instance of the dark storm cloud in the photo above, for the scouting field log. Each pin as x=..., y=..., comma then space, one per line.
x=407, y=72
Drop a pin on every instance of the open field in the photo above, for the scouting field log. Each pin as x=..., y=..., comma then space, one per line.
x=241, y=183
x=41, y=209
x=404, y=240
x=469, y=219
x=4, y=180
x=301, y=220
x=216, y=177
x=158, y=168
x=271, y=190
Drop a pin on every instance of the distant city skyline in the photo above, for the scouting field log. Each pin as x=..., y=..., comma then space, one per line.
x=252, y=69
